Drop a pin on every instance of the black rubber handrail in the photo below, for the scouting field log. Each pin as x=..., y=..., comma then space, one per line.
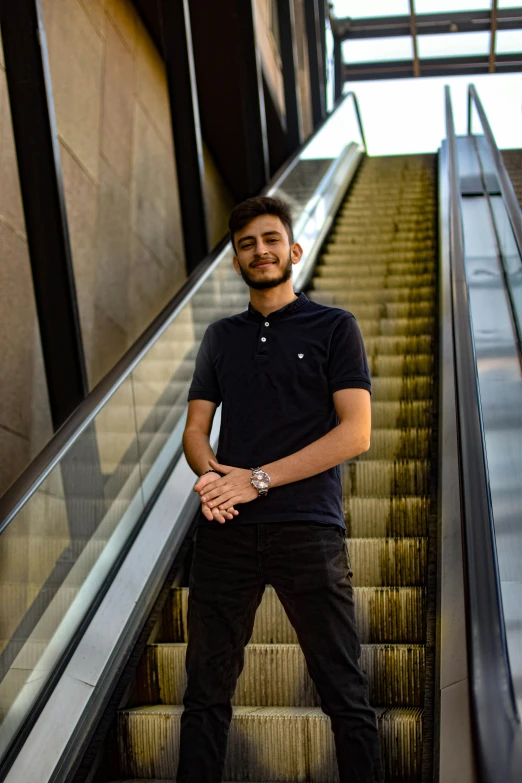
x=42, y=465
x=496, y=728
x=504, y=180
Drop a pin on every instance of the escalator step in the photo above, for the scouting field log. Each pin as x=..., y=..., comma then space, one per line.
x=383, y=614
x=380, y=562
x=401, y=293
x=267, y=743
x=381, y=271
x=347, y=237
x=402, y=414
x=395, y=389
x=401, y=365
x=345, y=260
x=275, y=675
x=383, y=478
x=348, y=215
x=368, y=311
x=344, y=279
x=381, y=517
x=393, y=345
x=398, y=444
x=339, y=253
x=396, y=327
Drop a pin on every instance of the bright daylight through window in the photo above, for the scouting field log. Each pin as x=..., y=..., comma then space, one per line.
x=384, y=48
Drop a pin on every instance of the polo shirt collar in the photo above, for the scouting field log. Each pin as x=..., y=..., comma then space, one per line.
x=287, y=310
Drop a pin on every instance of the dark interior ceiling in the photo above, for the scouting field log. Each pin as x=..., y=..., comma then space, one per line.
x=414, y=26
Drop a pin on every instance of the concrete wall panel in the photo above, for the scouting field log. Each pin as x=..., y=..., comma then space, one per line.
x=151, y=84
x=124, y=18
x=76, y=54
x=107, y=344
x=11, y=208
x=25, y=422
x=113, y=120
x=118, y=104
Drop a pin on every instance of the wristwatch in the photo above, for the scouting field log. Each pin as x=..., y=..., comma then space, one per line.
x=260, y=480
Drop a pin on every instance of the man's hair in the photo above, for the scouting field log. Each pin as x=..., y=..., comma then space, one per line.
x=243, y=213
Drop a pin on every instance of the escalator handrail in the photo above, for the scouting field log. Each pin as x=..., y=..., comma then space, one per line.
x=47, y=459
x=494, y=714
x=504, y=180
x=353, y=96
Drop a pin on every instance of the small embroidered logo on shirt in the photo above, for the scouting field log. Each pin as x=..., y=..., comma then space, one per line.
x=300, y=355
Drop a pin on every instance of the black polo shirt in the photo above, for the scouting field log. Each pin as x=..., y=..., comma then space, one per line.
x=275, y=377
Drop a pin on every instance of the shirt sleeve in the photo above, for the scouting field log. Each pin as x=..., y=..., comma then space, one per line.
x=205, y=385
x=347, y=362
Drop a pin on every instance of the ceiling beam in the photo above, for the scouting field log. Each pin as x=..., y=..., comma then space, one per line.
x=434, y=66
x=493, y=35
x=413, y=33
x=426, y=24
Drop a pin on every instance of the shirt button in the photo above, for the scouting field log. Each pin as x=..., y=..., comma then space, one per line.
x=263, y=339
x=266, y=323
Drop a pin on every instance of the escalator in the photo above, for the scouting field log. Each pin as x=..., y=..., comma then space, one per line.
x=95, y=538
x=380, y=263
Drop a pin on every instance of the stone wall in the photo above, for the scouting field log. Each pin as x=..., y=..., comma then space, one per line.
x=25, y=424
x=119, y=174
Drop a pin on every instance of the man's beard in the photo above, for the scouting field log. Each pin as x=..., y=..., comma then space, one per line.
x=260, y=285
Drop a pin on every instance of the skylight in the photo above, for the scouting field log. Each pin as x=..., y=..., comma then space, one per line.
x=443, y=6
x=367, y=50
x=357, y=9
x=453, y=44
x=508, y=41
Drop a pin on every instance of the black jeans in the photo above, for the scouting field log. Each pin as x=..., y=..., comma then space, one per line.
x=307, y=565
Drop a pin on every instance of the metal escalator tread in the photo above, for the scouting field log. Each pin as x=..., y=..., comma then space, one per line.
x=388, y=506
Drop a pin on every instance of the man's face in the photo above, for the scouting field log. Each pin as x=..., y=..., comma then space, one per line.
x=264, y=255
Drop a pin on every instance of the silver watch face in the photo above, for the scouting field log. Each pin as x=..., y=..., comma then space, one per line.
x=260, y=480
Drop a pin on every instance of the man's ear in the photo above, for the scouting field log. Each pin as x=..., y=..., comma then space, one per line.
x=236, y=265
x=296, y=252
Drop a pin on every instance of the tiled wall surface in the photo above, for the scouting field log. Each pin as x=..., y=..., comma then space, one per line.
x=112, y=113
x=119, y=174
x=25, y=424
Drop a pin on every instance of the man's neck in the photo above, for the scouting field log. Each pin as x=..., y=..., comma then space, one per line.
x=271, y=299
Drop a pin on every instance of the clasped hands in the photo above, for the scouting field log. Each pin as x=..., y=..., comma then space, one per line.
x=219, y=494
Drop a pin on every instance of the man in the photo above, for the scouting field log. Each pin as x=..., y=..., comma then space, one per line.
x=294, y=384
